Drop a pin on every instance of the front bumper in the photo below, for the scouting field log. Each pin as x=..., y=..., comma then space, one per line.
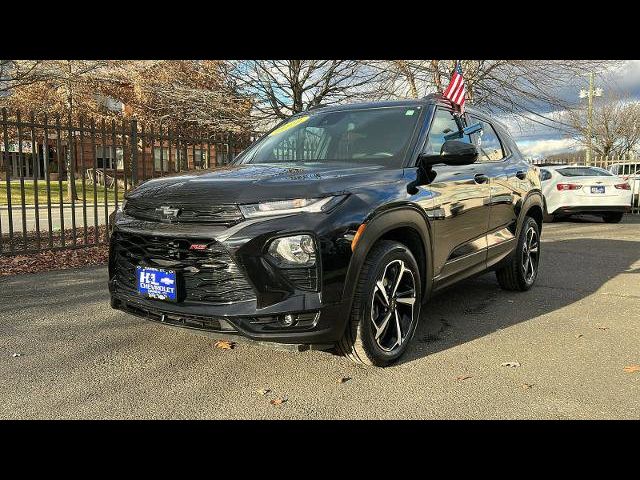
x=313, y=327
x=319, y=314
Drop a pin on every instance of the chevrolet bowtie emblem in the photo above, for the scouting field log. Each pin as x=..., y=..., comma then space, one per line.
x=168, y=213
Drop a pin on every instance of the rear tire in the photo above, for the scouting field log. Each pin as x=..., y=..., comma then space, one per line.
x=522, y=270
x=386, y=309
x=613, y=217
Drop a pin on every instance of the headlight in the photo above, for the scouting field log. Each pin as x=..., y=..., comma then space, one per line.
x=294, y=251
x=298, y=205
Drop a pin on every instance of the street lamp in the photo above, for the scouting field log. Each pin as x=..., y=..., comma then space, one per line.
x=589, y=94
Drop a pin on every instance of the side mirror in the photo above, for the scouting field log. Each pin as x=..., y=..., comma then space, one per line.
x=453, y=152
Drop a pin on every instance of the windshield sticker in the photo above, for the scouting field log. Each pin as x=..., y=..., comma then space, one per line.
x=289, y=125
x=409, y=112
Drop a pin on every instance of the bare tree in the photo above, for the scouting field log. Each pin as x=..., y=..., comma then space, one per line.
x=506, y=86
x=15, y=74
x=615, y=127
x=188, y=96
x=281, y=88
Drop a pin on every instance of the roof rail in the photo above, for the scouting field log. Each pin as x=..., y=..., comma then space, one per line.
x=320, y=105
x=437, y=96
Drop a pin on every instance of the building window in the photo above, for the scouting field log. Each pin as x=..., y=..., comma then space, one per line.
x=106, y=160
x=161, y=165
x=200, y=158
x=222, y=153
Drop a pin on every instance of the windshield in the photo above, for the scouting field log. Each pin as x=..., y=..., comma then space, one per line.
x=373, y=135
x=583, y=172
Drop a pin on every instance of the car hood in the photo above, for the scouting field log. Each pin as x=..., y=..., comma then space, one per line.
x=260, y=182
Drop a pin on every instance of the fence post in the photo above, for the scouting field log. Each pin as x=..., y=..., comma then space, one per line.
x=134, y=152
x=230, y=146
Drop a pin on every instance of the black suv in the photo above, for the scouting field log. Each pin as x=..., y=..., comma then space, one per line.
x=333, y=229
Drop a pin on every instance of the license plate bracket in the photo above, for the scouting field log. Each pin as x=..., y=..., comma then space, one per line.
x=597, y=189
x=157, y=283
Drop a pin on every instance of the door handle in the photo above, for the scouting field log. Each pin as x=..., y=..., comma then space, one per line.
x=521, y=175
x=480, y=178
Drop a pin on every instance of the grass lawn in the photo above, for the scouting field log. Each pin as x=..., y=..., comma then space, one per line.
x=29, y=193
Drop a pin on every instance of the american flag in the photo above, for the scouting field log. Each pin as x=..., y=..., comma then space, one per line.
x=455, y=90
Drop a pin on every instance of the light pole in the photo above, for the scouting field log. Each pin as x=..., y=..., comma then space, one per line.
x=589, y=95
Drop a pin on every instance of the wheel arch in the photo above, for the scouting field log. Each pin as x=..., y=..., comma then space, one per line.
x=406, y=225
x=532, y=206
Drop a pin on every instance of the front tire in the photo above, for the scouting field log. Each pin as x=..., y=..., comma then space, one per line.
x=386, y=306
x=522, y=270
x=613, y=217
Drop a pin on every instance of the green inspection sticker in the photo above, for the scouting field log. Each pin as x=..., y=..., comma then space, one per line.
x=409, y=112
x=289, y=125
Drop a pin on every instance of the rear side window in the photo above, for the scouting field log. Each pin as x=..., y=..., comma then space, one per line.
x=489, y=145
x=583, y=172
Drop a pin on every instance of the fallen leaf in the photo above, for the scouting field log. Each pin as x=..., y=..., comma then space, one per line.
x=278, y=401
x=463, y=377
x=579, y=335
x=510, y=364
x=16, y=355
x=263, y=391
x=344, y=379
x=632, y=368
x=224, y=345
x=527, y=385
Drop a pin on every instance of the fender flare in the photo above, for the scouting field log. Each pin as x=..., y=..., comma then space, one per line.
x=376, y=227
x=533, y=198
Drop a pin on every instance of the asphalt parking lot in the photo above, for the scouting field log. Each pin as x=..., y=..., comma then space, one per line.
x=572, y=336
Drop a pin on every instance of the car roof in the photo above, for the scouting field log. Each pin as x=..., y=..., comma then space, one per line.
x=554, y=166
x=432, y=99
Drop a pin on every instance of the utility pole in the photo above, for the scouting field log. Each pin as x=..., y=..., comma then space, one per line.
x=590, y=94
x=590, y=118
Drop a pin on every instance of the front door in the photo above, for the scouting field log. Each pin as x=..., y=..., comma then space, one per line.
x=461, y=196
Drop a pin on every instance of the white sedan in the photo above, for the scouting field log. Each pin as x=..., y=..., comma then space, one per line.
x=573, y=189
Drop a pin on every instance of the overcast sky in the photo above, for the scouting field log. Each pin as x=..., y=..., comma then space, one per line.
x=536, y=140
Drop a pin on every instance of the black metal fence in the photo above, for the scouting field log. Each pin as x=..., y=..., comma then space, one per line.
x=59, y=181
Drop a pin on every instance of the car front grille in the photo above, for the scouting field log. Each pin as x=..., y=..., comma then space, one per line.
x=205, y=275
x=166, y=211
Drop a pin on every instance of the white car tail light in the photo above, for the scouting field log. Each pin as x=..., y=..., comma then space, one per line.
x=568, y=186
x=623, y=186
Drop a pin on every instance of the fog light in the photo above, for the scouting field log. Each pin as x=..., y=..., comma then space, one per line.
x=288, y=320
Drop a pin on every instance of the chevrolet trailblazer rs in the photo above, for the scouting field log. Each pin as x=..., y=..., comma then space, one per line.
x=332, y=230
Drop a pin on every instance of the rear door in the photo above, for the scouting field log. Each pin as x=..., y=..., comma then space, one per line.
x=461, y=208
x=506, y=172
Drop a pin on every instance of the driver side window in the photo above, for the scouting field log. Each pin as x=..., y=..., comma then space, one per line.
x=443, y=124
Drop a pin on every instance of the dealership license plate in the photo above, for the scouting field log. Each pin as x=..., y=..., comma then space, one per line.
x=157, y=283
x=597, y=189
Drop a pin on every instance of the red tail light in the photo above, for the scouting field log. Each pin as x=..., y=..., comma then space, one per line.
x=568, y=186
x=623, y=186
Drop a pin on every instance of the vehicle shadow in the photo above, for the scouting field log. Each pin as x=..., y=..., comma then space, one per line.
x=569, y=272
x=587, y=218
